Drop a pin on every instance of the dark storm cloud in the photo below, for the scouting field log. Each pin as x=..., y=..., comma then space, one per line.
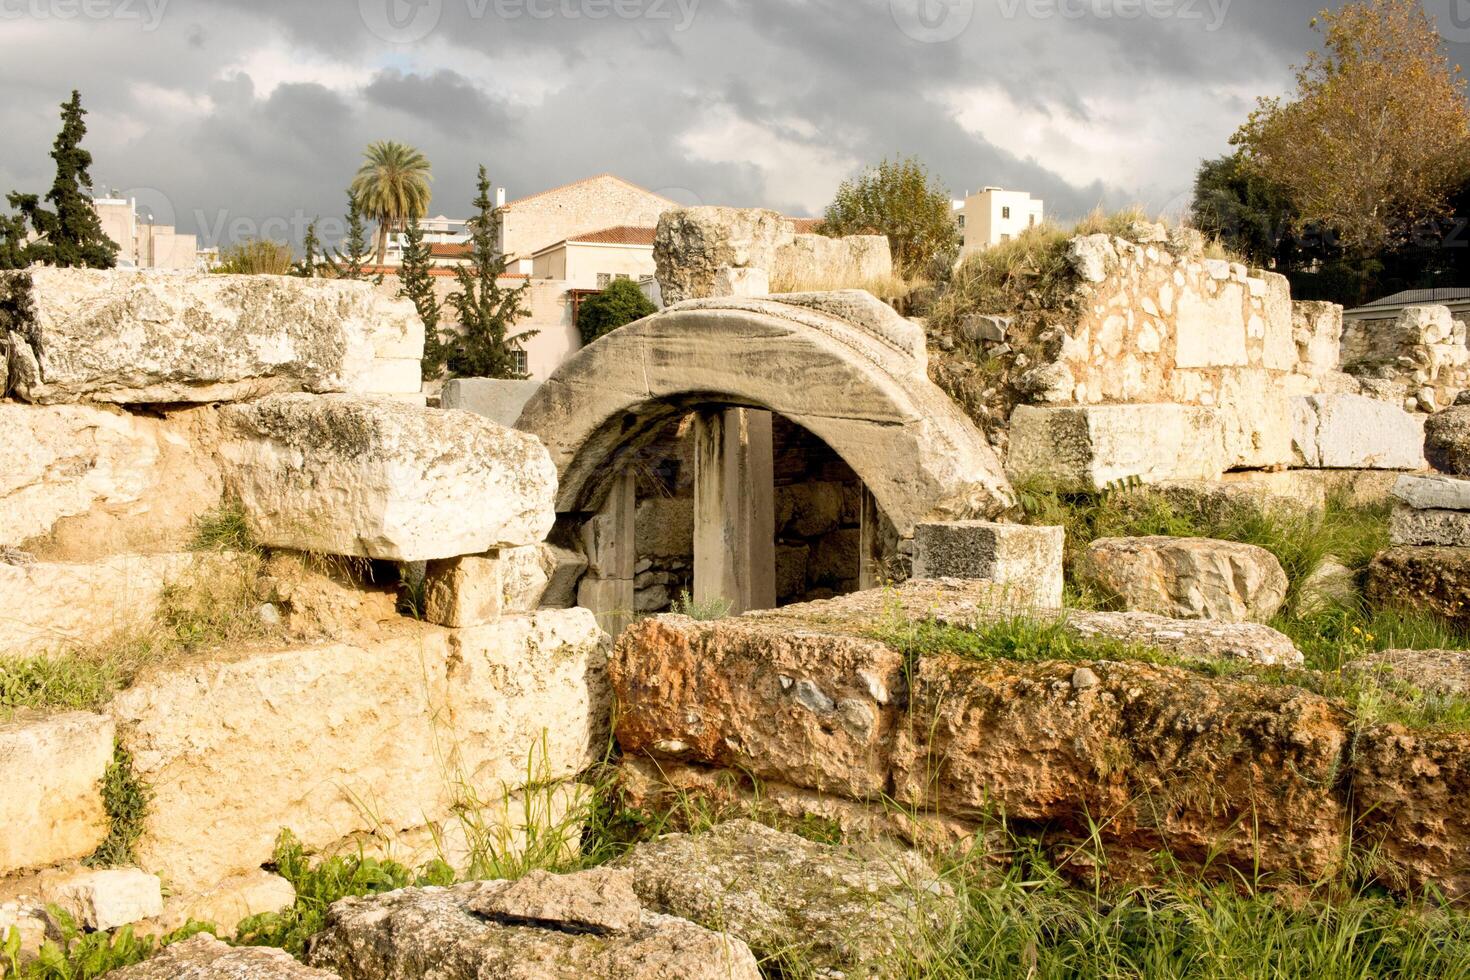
x=246, y=111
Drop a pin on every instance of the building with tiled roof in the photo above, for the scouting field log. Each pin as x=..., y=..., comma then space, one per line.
x=593, y=259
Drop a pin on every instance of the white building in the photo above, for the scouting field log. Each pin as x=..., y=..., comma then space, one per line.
x=994, y=216
x=140, y=243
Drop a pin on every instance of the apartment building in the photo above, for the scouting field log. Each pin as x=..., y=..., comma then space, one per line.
x=994, y=216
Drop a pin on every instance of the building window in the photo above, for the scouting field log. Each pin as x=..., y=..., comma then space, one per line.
x=1005, y=212
x=521, y=362
x=603, y=279
x=1032, y=223
x=1005, y=238
x=623, y=275
x=962, y=222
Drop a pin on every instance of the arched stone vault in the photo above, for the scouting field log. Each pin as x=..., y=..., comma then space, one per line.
x=843, y=365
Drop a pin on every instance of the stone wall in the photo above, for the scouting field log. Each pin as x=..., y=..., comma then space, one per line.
x=1420, y=359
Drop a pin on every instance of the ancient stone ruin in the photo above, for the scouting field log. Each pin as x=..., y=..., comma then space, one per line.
x=778, y=552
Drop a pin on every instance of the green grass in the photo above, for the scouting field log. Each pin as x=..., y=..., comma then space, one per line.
x=77, y=955
x=1029, y=922
x=223, y=529
x=703, y=610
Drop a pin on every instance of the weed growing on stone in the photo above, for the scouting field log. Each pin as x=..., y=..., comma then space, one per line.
x=703, y=610
x=223, y=529
x=73, y=954
x=125, y=798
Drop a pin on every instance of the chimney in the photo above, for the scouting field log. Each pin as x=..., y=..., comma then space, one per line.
x=500, y=197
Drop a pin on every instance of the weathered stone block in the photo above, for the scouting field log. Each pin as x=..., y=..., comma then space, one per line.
x=371, y=477
x=52, y=605
x=1440, y=528
x=665, y=527
x=464, y=591
x=1025, y=561
x=1187, y=578
x=228, y=903
x=1093, y=446
x=1210, y=331
x=52, y=769
x=305, y=738
x=1433, y=492
x=497, y=400
x=106, y=899
x=82, y=481
x=1317, y=330
x=574, y=927
x=204, y=957
x=1432, y=579
x=141, y=337
x=1447, y=440
x=1355, y=432
x=703, y=252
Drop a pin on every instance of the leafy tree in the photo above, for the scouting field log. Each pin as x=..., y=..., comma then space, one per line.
x=620, y=303
x=70, y=235
x=1376, y=139
x=486, y=310
x=350, y=264
x=417, y=285
x=900, y=199
x=312, y=246
x=393, y=187
x=260, y=257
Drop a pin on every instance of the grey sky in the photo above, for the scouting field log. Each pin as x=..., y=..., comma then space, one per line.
x=242, y=117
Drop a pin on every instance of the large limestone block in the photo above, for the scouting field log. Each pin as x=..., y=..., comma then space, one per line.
x=335, y=740
x=584, y=926
x=141, y=337
x=51, y=808
x=80, y=482
x=1025, y=561
x=1356, y=432
x=1256, y=416
x=229, y=903
x=1447, y=440
x=1317, y=330
x=665, y=527
x=50, y=606
x=204, y=957
x=1090, y=447
x=375, y=478
x=1187, y=578
x=1210, y=331
x=829, y=906
x=709, y=251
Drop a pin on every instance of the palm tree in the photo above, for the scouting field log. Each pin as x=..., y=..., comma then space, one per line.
x=392, y=186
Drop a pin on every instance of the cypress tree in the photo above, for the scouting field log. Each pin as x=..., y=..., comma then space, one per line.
x=70, y=235
x=485, y=348
x=349, y=264
x=417, y=285
x=312, y=246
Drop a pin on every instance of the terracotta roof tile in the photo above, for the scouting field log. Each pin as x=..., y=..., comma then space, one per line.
x=618, y=235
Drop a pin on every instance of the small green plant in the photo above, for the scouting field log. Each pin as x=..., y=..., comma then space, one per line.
x=619, y=304
x=125, y=798
x=318, y=884
x=258, y=257
x=703, y=610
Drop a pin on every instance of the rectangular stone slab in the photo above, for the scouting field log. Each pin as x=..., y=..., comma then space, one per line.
x=1436, y=528
x=140, y=337
x=1089, y=447
x=377, y=478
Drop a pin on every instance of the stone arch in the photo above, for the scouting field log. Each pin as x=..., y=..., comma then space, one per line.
x=843, y=365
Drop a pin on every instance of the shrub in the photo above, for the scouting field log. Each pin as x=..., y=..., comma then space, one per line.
x=619, y=304
x=256, y=258
x=126, y=798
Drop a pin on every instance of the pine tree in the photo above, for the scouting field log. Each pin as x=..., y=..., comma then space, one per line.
x=349, y=264
x=312, y=246
x=71, y=235
x=13, y=251
x=486, y=310
x=417, y=285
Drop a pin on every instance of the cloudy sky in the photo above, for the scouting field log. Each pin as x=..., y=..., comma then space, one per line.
x=241, y=117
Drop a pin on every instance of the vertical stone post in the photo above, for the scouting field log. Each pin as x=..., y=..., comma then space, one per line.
x=870, y=544
x=607, y=540
x=734, y=509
